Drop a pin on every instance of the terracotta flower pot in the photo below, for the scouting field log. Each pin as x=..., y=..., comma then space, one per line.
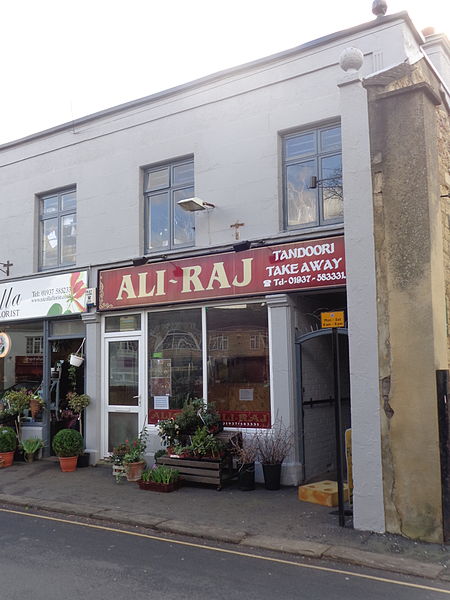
x=35, y=407
x=134, y=470
x=68, y=463
x=6, y=459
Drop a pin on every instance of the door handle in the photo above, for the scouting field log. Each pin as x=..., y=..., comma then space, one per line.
x=139, y=398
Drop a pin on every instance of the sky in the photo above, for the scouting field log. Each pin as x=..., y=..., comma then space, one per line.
x=63, y=59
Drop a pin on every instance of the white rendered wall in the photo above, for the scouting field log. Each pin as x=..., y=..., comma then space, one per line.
x=368, y=504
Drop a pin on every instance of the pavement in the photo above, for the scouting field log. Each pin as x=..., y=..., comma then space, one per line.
x=258, y=519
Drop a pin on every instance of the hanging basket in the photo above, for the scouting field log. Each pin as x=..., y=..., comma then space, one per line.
x=76, y=359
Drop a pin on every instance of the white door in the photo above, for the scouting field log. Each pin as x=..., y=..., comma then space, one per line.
x=124, y=413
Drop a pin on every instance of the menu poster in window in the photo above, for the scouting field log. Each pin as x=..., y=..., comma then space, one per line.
x=161, y=377
x=161, y=402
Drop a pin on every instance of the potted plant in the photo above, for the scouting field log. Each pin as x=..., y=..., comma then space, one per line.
x=134, y=459
x=8, y=444
x=246, y=452
x=76, y=359
x=273, y=447
x=160, y=479
x=17, y=401
x=205, y=445
x=30, y=447
x=117, y=456
x=195, y=413
x=77, y=403
x=68, y=445
x=36, y=404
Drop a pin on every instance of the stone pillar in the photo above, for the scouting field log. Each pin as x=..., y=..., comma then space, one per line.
x=282, y=377
x=412, y=320
x=361, y=298
x=93, y=416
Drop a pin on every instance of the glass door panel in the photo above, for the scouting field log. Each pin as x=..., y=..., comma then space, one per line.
x=123, y=373
x=124, y=410
x=121, y=427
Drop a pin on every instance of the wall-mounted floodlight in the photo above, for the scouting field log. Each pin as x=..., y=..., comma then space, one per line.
x=194, y=204
x=139, y=261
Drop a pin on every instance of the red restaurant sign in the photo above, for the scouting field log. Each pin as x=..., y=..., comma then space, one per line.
x=267, y=270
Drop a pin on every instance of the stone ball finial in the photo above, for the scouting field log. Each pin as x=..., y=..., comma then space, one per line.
x=379, y=7
x=351, y=60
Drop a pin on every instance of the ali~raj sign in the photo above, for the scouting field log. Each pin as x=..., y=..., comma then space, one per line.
x=267, y=270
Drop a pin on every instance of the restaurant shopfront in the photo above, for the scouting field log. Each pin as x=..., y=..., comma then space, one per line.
x=219, y=327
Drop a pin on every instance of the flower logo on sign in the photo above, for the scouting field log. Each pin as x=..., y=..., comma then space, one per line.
x=75, y=298
x=5, y=344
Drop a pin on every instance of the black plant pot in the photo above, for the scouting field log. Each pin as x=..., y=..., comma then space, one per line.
x=272, y=476
x=83, y=460
x=246, y=477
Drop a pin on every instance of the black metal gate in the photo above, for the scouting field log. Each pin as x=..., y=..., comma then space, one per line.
x=442, y=382
x=335, y=334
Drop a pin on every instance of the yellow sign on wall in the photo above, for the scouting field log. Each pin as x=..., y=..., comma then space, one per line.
x=332, y=319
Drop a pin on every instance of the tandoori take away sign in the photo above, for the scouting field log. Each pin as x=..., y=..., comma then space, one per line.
x=266, y=270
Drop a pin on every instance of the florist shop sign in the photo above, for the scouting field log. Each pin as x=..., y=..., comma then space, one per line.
x=50, y=296
x=266, y=270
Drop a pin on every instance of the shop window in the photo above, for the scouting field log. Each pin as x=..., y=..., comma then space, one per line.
x=174, y=358
x=34, y=344
x=123, y=323
x=168, y=225
x=57, y=229
x=238, y=375
x=67, y=327
x=218, y=342
x=308, y=155
x=22, y=366
x=258, y=341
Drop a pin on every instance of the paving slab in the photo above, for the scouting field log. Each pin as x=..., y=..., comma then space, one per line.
x=204, y=531
x=385, y=562
x=285, y=545
x=128, y=518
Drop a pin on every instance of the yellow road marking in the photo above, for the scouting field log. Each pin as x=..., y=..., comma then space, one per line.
x=233, y=552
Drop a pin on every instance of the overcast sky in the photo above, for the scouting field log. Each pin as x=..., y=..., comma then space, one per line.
x=62, y=59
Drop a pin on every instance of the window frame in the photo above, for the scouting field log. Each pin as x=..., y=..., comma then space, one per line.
x=170, y=189
x=59, y=215
x=317, y=157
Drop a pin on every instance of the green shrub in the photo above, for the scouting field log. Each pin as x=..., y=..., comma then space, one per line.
x=68, y=442
x=78, y=402
x=205, y=444
x=8, y=439
x=18, y=400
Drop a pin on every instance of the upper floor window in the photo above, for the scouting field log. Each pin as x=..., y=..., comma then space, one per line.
x=57, y=229
x=168, y=225
x=307, y=155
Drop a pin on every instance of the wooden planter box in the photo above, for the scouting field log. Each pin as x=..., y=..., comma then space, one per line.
x=207, y=470
x=153, y=486
x=212, y=471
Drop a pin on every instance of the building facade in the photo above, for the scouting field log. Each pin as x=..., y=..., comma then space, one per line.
x=311, y=186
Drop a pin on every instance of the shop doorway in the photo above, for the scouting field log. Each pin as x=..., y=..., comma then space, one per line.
x=316, y=402
x=124, y=374
x=64, y=378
